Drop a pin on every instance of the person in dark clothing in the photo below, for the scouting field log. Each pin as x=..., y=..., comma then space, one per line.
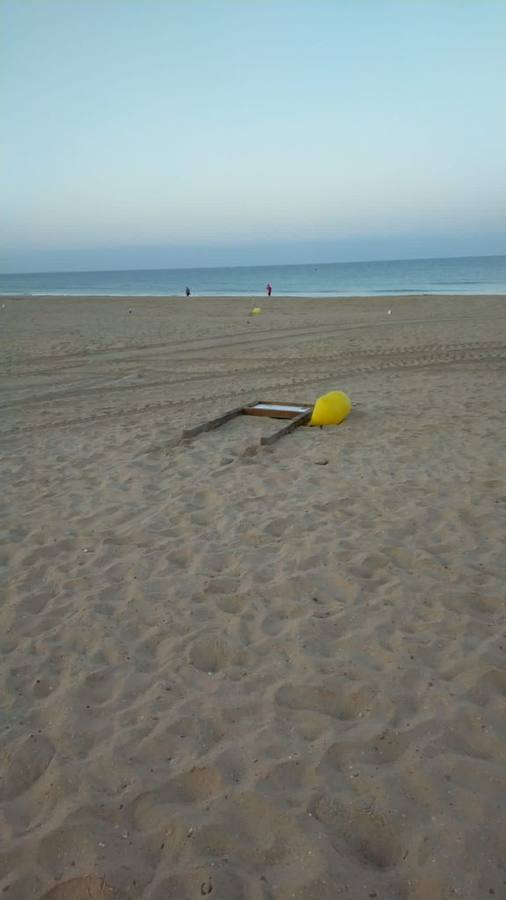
x=187, y=291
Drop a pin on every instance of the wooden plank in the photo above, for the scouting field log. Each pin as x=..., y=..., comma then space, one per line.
x=271, y=413
x=294, y=423
x=189, y=433
x=289, y=407
x=277, y=410
x=295, y=420
x=281, y=403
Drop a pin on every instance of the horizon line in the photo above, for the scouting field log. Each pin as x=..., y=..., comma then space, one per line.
x=254, y=266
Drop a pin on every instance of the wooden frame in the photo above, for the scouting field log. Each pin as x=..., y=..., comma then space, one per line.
x=297, y=413
x=294, y=423
x=277, y=410
x=189, y=433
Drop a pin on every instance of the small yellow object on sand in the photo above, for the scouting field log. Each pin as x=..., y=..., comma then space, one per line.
x=331, y=409
x=256, y=311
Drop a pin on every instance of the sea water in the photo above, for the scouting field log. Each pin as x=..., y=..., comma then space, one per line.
x=462, y=275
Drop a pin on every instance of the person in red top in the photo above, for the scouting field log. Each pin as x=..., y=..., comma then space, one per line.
x=269, y=288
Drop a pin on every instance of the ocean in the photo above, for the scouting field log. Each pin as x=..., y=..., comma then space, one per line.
x=462, y=275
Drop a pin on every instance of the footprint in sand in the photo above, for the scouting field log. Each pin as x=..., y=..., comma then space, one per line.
x=191, y=787
x=346, y=704
x=198, y=785
x=24, y=765
x=368, y=834
x=211, y=655
x=383, y=748
x=89, y=887
x=202, y=883
x=100, y=686
x=233, y=604
x=490, y=687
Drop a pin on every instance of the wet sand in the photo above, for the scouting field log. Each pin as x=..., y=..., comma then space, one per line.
x=254, y=674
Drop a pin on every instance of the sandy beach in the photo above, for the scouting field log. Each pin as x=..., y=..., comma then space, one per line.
x=241, y=672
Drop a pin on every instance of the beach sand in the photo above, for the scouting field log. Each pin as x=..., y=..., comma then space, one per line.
x=253, y=674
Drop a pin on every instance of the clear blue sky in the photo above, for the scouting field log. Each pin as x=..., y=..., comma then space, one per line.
x=141, y=133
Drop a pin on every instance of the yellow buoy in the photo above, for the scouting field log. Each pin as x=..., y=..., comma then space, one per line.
x=331, y=409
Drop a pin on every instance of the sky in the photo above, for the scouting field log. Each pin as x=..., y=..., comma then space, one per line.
x=165, y=133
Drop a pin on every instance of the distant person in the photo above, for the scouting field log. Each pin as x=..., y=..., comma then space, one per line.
x=187, y=291
x=269, y=289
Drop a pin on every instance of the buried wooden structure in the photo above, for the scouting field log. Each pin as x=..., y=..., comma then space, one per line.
x=296, y=413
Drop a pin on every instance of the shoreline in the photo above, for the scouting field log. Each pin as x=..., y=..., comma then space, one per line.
x=244, y=297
